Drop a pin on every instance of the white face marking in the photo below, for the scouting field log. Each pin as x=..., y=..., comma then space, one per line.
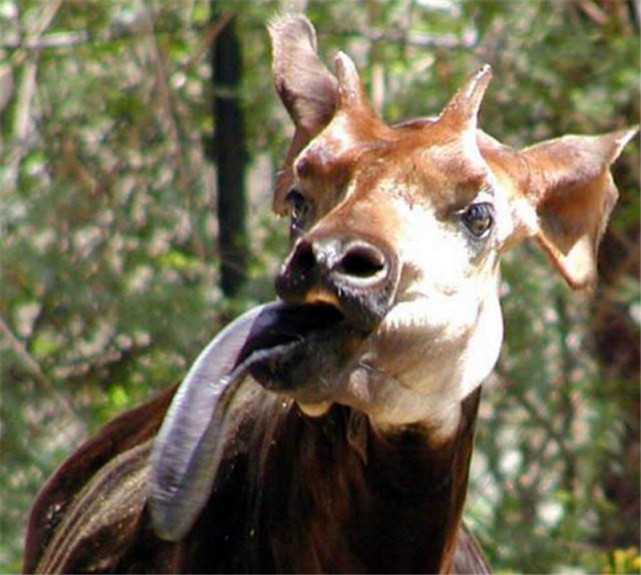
x=443, y=335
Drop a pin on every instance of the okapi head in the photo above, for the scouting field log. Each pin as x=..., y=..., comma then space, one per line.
x=397, y=234
x=332, y=429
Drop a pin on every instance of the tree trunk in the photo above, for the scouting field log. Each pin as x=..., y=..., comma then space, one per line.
x=230, y=157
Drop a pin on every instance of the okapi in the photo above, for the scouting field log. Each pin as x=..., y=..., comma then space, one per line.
x=332, y=430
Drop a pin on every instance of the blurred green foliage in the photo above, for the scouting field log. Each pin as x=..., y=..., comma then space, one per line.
x=109, y=284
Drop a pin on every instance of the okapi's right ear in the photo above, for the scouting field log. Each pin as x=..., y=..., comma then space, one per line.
x=306, y=87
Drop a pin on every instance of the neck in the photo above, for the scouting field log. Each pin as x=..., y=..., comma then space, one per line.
x=353, y=498
x=421, y=486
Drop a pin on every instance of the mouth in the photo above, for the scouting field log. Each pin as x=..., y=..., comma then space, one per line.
x=281, y=324
x=299, y=349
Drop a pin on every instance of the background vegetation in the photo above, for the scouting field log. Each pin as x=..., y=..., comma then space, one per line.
x=111, y=270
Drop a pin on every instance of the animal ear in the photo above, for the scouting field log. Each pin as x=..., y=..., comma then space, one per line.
x=306, y=87
x=573, y=194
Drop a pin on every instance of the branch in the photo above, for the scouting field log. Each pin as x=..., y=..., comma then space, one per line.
x=72, y=38
x=60, y=40
x=448, y=41
x=26, y=91
x=55, y=40
x=33, y=367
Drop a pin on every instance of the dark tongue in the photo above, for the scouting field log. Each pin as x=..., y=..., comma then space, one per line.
x=201, y=421
x=280, y=324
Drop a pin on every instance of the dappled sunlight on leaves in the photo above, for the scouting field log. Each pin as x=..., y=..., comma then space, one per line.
x=109, y=259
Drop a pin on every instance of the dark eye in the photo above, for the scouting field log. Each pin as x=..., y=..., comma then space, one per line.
x=299, y=209
x=478, y=219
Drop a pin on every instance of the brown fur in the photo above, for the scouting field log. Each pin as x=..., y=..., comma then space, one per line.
x=304, y=496
x=377, y=481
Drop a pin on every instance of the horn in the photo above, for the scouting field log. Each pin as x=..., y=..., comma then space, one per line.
x=350, y=88
x=462, y=110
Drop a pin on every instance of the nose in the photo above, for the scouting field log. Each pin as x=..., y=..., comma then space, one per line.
x=355, y=274
x=355, y=264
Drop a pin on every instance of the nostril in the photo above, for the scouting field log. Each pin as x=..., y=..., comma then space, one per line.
x=304, y=259
x=298, y=272
x=361, y=261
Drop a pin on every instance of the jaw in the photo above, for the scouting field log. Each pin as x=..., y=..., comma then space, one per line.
x=301, y=351
x=415, y=367
x=418, y=368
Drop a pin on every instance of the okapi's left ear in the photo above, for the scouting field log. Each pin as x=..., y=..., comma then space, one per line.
x=573, y=192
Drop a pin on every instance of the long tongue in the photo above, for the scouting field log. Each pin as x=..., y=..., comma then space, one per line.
x=189, y=446
x=280, y=324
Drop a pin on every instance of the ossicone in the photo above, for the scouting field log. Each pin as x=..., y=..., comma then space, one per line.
x=350, y=87
x=462, y=110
